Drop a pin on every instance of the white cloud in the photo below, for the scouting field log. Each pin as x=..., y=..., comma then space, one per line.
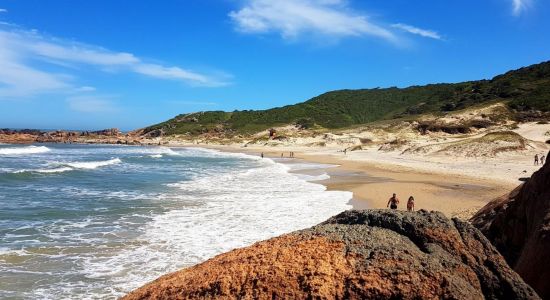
x=27, y=56
x=418, y=31
x=3, y=10
x=19, y=80
x=520, y=6
x=175, y=73
x=92, y=104
x=292, y=18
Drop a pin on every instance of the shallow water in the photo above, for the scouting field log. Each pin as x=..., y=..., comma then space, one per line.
x=96, y=221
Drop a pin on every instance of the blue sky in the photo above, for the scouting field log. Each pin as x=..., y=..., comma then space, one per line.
x=127, y=64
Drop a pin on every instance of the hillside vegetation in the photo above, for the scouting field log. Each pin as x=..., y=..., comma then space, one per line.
x=525, y=91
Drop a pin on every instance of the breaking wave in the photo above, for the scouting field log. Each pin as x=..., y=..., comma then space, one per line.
x=24, y=150
x=93, y=164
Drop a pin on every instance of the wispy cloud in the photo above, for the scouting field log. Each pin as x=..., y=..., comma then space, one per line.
x=17, y=79
x=92, y=104
x=293, y=18
x=3, y=10
x=26, y=57
x=418, y=31
x=520, y=6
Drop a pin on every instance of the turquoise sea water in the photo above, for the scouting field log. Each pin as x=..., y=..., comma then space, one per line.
x=96, y=221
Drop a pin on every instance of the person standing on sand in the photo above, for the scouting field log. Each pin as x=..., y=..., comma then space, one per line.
x=410, y=204
x=282, y=154
x=262, y=155
x=392, y=203
x=542, y=158
x=536, y=159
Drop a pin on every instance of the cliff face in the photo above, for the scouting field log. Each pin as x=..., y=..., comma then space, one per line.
x=375, y=254
x=518, y=224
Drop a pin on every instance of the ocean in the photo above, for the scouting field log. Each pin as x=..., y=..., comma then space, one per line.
x=96, y=221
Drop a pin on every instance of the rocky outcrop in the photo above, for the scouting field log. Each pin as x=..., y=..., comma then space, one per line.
x=106, y=136
x=374, y=254
x=104, y=132
x=518, y=224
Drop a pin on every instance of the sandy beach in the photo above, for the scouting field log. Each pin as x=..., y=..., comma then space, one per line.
x=372, y=186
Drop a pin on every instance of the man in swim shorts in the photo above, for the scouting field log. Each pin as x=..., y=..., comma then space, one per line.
x=392, y=203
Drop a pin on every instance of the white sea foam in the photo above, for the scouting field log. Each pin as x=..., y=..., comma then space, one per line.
x=307, y=177
x=155, y=155
x=165, y=150
x=46, y=171
x=213, y=153
x=90, y=165
x=231, y=209
x=24, y=150
x=93, y=164
x=56, y=170
x=147, y=150
x=308, y=166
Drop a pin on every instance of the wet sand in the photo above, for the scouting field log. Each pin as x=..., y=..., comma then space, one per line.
x=372, y=186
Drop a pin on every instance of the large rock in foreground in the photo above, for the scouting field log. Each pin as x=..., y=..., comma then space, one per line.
x=518, y=224
x=371, y=254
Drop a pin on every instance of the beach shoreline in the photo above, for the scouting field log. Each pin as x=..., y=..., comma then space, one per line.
x=455, y=194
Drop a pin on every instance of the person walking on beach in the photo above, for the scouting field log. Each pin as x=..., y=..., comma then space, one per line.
x=542, y=158
x=262, y=155
x=536, y=159
x=410, y=204
x=392, y=203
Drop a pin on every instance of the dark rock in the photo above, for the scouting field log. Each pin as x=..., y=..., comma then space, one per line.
x=107, y=132
x=374, y=254
x=518, y=224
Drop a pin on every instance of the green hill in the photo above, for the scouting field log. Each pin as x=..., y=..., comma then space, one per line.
x=526, y=91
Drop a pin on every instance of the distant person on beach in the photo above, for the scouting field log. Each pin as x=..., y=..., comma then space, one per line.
x=345, y=151
x=392, y=203
x=282, y=154
x=542, y=158
x=262, y=155
x=410, y=204
x=536, y=159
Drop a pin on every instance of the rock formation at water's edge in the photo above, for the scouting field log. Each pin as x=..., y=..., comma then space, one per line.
x=372, y=254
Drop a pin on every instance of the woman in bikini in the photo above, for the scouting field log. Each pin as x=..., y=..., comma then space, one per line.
x=410, y=204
